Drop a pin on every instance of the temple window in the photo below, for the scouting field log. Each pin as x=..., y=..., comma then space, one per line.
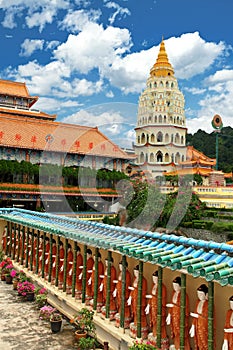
x=182, y=140
x=143, y=138
x=138, y=139
x=177, y=158
x=152, y=157
x=142, y=157
x=152, y=138
x=159, y=157
x=160, y=119
x=155, y=118
x=166, y=138
x=159, y=137
x=167, y=157
x=172, y=138
x=177, y=138
x=161, y=84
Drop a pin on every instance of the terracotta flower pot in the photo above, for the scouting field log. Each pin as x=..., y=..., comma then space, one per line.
x=79, y=335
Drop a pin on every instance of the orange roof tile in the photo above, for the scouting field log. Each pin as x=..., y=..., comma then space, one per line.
x=189, y=171
x=30, y=133
x=194, y=154
x=13, y=88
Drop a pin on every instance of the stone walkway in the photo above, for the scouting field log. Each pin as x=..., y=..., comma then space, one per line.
x=21, y=328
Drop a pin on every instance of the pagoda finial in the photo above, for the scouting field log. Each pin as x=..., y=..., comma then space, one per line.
x=162, y=67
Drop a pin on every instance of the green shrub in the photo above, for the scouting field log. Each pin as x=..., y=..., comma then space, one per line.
x=187, y=224
x=220, y=227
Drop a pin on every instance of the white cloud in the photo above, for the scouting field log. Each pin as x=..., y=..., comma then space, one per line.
x=191, y=55
x=109, y=94
x=54, y=105
x=120, y=12
x=38, y=14
x=87, y=118
x=195, y=91
x=50, y=45
x=94, y=47
x=76, y=21
x=30, y=46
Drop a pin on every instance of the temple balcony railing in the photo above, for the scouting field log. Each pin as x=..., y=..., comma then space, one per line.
x=29, y=237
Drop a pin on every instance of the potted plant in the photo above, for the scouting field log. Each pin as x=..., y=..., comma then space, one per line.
x=3, y=265
x=55, y=322
x=46, y=311
x=83, y=322
x=41, y=297
x=142, y=346
x=8, y=268
x=86, y=343
x=26, y=289
x=15, y=278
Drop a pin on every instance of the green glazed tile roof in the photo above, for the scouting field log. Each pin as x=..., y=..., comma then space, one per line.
x=208, y=259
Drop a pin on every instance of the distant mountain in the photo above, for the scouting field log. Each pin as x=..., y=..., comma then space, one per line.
x=206, y=143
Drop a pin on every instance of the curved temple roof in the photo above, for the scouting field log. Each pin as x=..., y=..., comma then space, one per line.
x=208, y=259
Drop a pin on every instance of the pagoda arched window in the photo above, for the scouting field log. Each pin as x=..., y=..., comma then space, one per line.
x=142, y=158
x=149, y=120
x=152, y=138
x=182, y=158
x=182, y=140
x=172, y=138
x=138, y=139
x=161, y=84
x=166, y=137
x=167, y=84
x=171, y=120
x=177, y=158
x=164, y=119
x=159, y=137
x=172, y=158
x=143, y=138
x=166, y=158
x=155, y=84
x=152, y=158
x=177, y=138
x=160, y=119
x=172, y=85
x=155, y=118
x=159, y=156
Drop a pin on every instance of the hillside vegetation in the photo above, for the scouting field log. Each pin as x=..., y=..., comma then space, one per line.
x=206, y=143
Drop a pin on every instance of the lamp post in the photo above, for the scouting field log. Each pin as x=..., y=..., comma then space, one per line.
x=217, y=125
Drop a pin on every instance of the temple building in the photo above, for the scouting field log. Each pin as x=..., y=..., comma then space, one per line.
x=161, y=125
x=34, y=136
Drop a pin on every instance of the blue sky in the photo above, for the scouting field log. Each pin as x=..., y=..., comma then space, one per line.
x=88, y=61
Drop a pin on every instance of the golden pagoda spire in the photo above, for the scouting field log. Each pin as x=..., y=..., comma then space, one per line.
x=162, y=66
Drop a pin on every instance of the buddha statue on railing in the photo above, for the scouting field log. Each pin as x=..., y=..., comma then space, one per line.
x=90, y=264
x=132, y=300
x=173, y=317
x=112, y=299
x=79, y=269
x=100, y=295
x=69, y=270
x=152, y=311
x=228, y=328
